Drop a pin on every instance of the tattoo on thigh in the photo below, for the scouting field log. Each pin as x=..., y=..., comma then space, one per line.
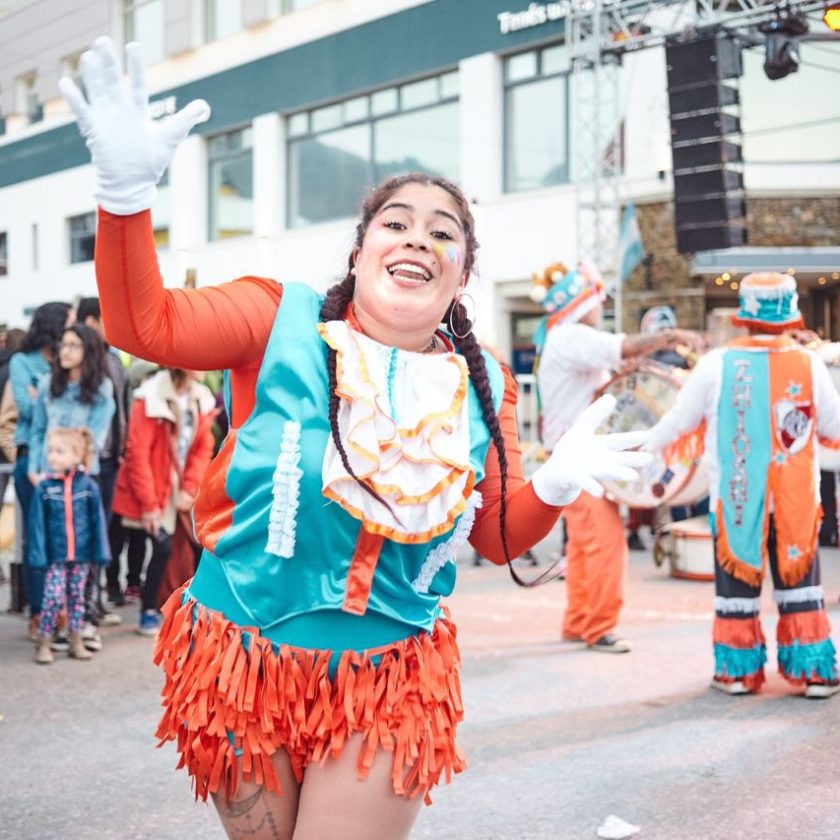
x=241, y=806
x=250, y=822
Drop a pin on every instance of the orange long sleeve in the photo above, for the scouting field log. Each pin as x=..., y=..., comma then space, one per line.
x=215, y=328
x=227, y=327
x=527, y=518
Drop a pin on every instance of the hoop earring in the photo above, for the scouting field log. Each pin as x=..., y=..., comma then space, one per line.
x=469, y=321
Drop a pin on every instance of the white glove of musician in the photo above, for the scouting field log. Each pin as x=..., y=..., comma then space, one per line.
x=129, y=151
x=581, y=458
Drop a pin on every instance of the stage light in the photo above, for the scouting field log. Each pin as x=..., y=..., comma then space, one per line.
x=831, y=16
x=781, y=55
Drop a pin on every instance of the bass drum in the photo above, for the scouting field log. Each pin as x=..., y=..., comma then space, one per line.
x=829, y=457
x=643, y=396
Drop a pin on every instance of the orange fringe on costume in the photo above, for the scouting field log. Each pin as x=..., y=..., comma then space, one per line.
x=686, y=448
x=727, y=560
x=222, y=678
x=743, y=633
x=806, y=628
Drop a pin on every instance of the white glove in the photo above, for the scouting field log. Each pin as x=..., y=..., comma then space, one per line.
x=581, y=458
x=128, y=150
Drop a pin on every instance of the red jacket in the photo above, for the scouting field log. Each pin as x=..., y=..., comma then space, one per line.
x=144, y=483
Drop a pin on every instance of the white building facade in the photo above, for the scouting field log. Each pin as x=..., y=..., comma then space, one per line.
x=314, y=101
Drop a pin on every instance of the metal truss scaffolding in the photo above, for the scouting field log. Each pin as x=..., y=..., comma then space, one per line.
x=599, y=33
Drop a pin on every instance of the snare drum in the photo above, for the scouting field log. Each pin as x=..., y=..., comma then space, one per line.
x=643, y=396
x=688, y=547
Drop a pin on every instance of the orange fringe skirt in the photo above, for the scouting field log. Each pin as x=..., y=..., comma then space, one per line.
x=232, y=699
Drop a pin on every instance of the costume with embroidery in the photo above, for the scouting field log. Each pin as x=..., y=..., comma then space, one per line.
x=284, y=570
x=760, y=403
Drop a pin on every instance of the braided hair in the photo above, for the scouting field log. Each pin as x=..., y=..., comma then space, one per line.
x=340, y=295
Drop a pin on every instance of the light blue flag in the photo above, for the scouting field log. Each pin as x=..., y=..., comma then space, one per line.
x=630, y=249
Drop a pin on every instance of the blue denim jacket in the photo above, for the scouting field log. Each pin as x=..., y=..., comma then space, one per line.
x=25, y=370
x=53, y=536
x=69, y=412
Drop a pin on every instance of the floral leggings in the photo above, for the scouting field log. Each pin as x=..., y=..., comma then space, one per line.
x=64, y=579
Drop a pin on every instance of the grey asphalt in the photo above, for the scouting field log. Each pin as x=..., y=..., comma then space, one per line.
x=558, y=737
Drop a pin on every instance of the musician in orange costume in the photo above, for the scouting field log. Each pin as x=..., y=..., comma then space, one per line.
x=576, y=360
x=758, y=406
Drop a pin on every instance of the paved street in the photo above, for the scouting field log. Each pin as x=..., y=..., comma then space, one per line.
x=558, y=737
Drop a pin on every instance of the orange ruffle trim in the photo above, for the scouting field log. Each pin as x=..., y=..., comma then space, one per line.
x=232, y=699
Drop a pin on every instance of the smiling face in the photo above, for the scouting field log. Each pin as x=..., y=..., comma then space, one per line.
x=411, y=265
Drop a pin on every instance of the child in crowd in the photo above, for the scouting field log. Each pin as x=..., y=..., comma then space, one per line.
x=67, y=535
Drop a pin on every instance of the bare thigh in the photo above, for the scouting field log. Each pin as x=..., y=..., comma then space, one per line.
x=257, y=814
x=334, y=803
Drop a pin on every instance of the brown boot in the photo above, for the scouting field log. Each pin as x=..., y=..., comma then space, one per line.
x=77, y=648
x=43, y=654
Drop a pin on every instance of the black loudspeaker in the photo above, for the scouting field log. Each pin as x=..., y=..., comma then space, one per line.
x=706, y=57
x=705, y=124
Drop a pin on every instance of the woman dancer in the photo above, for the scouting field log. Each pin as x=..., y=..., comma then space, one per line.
x=310, y=651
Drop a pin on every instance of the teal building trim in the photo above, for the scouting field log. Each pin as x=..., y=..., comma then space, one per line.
x=419, y=41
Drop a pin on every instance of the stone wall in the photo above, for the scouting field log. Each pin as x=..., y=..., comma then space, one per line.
x=771, y=222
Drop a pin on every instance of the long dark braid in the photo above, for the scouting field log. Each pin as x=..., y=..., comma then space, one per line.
x=333, y=309
x=458, y=320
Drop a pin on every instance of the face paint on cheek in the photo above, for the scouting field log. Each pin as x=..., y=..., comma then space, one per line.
x=450, y=252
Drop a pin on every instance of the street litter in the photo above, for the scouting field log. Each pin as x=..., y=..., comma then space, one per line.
x=614, y=828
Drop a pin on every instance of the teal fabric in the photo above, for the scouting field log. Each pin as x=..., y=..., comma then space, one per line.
x=739, y=662
x=777, y=311
x=255, y=588
x=745, y=447
x=814, y=661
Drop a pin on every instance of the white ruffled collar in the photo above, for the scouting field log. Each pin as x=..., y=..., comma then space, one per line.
x=403, y=419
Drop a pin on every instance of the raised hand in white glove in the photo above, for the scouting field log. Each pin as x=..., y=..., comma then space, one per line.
x=581, y=458
x=129, y=151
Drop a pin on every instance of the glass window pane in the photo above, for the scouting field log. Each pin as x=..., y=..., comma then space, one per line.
x=232, y=197
x=217, y=146
x=4, y=254
x=296, y=5
x=535, y=135
x=384, y=101
x=522, y=66
x=329, y=175
x=449, y=85
x=356, y=109
x=82, y=230
x=222, y=18
x=426, y=141
x=298, y=124
x=147, y=28
x=419, y=93
x=324, y=119
x=555, y=60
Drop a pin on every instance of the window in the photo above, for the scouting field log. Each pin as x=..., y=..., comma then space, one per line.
x=4, y=253
x=27, y=99
x=221, y=18
x=296, y=5
x=536, y=119
x=338, y=152
x=161, y=211
x=143, y=22
x=231, y=184
x=82, y=230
